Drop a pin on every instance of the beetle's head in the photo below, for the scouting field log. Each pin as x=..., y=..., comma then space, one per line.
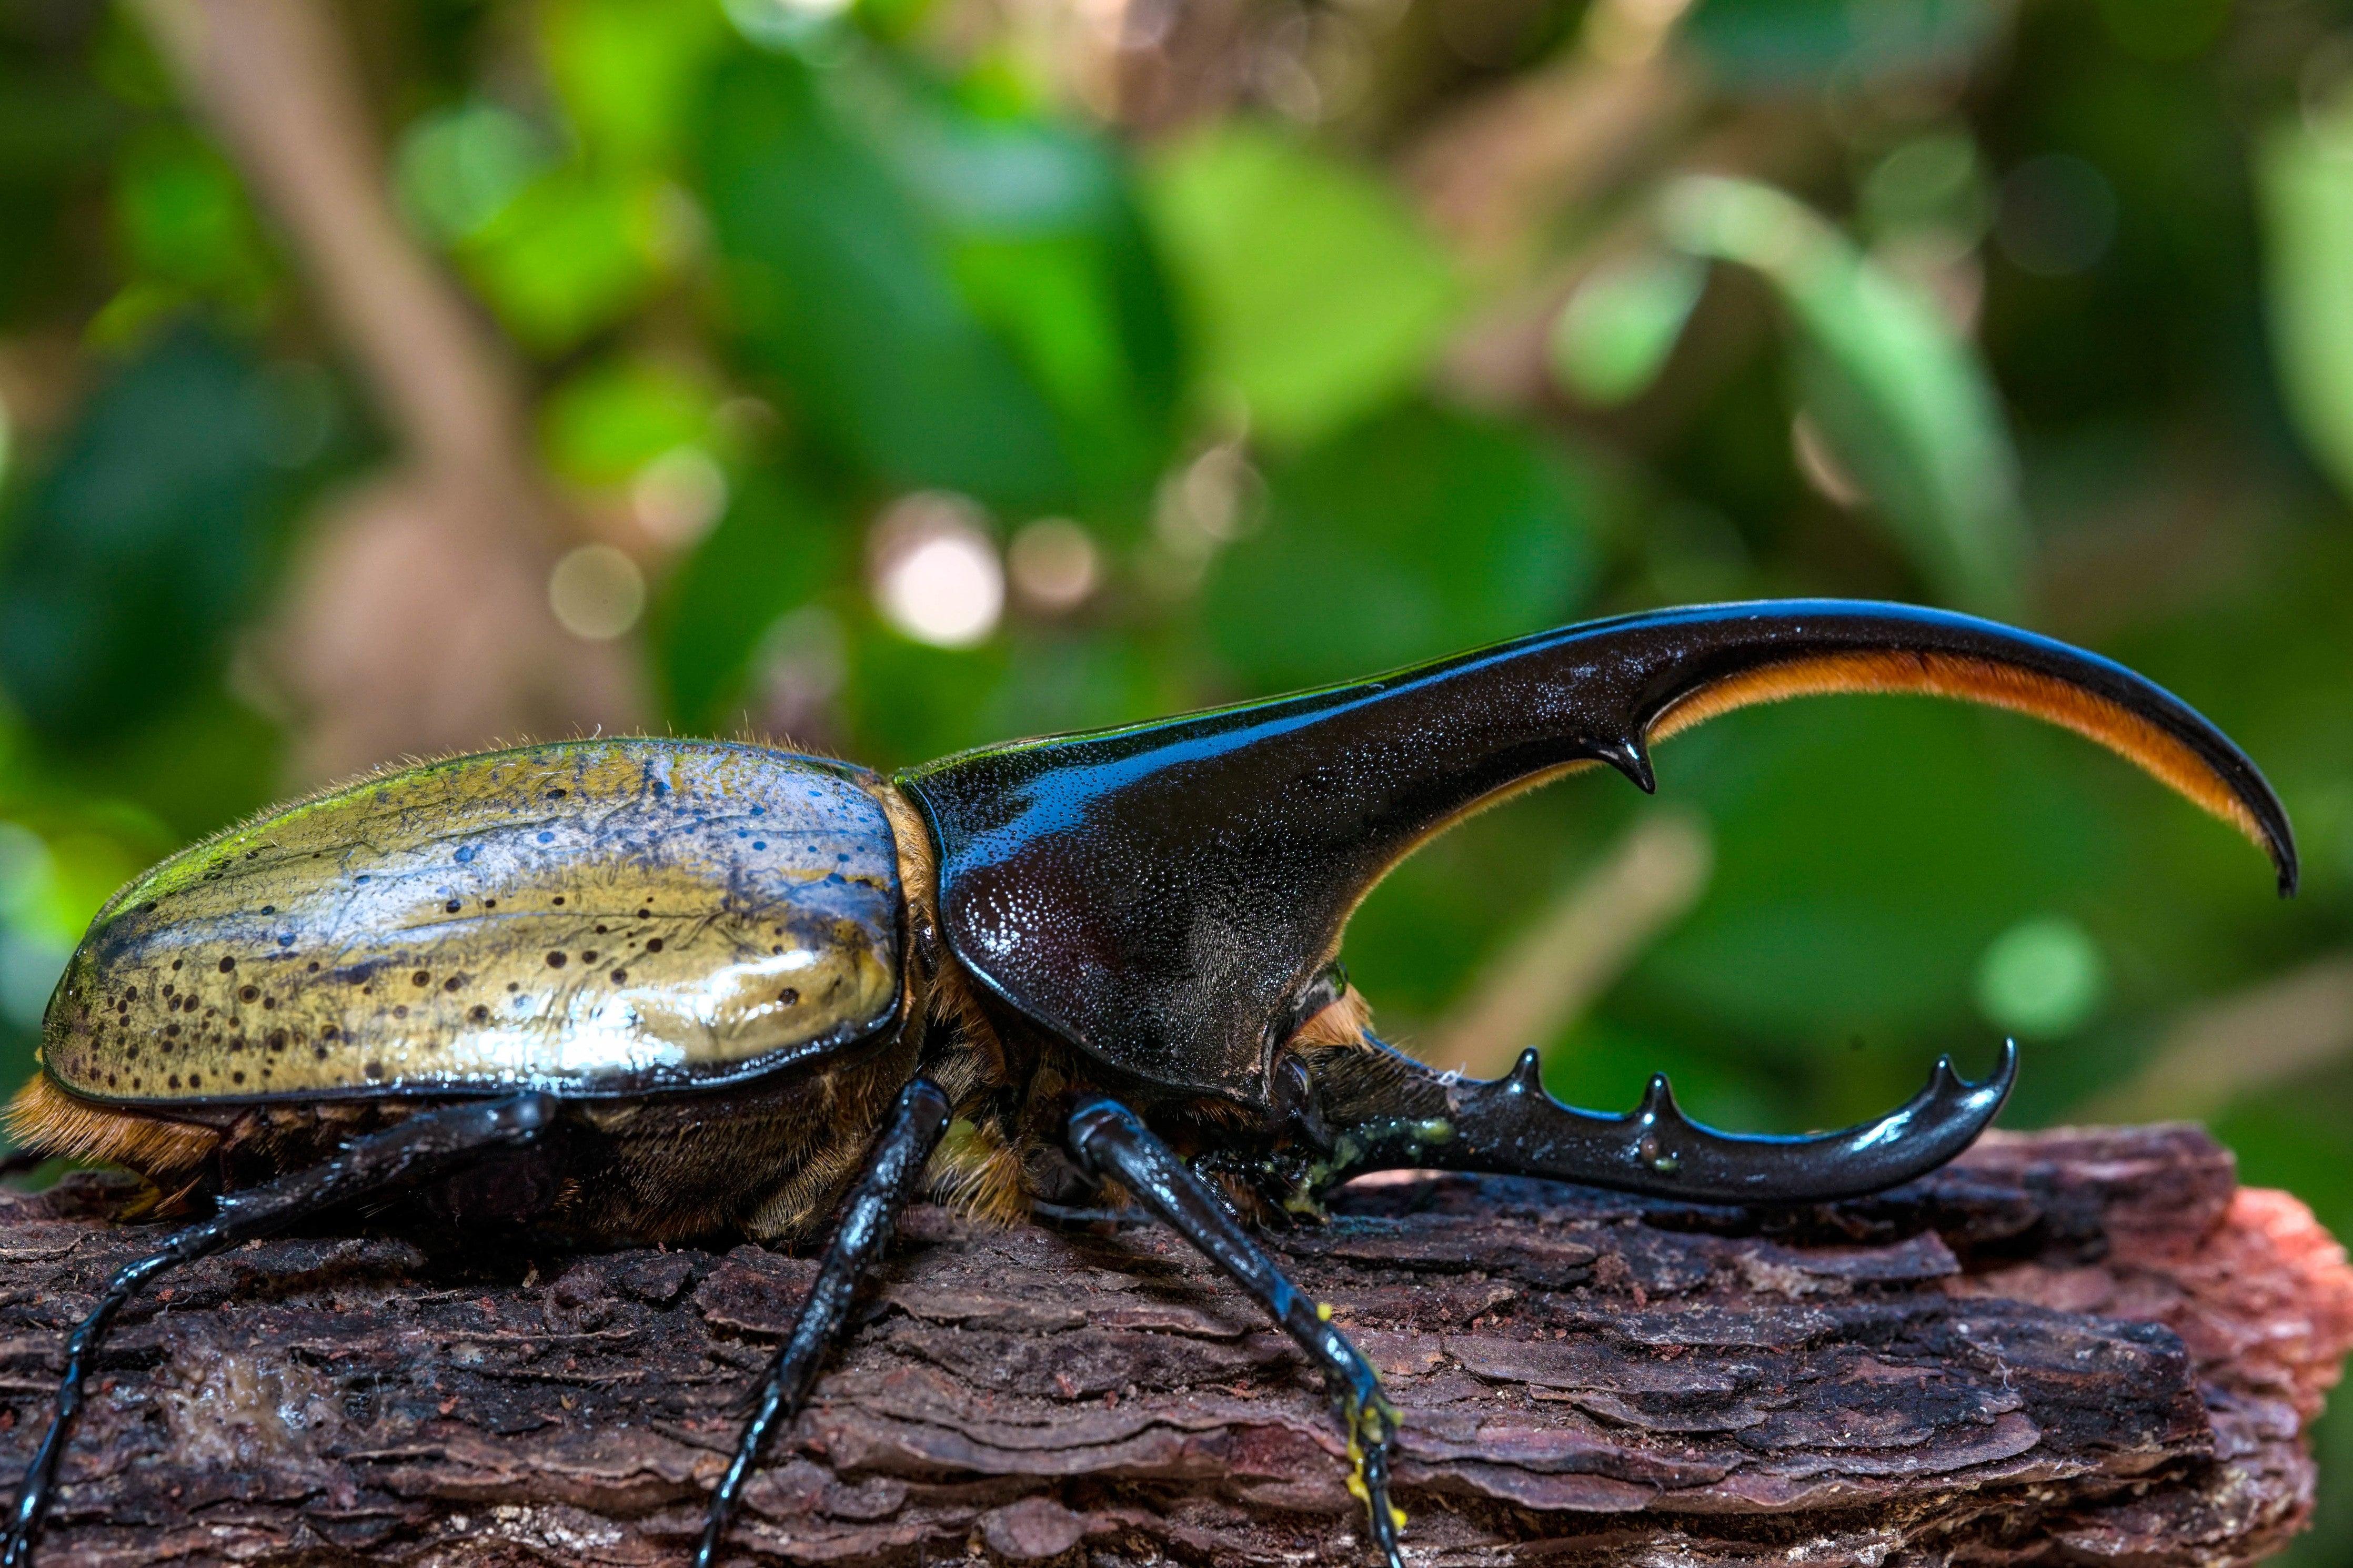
x=1168, y=899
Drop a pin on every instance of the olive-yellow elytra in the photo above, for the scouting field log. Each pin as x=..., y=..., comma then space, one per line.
x=684, y=988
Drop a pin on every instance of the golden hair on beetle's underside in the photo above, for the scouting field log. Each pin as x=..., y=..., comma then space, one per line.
x=1341, y=1022
x=2094, y=717
x=978, y=1173
x=45, y=1120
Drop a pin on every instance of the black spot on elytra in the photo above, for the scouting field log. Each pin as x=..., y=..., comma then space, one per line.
x=401, y=1011
x=248, y=992
x=490, y=903
x=620, y=976
x=195, y=1081
x=420, y=978
x=177, y=962
x=269, y=908
x=227, y=966
x=559, y=897
x=236, y=1078
x=268, y=1002
x=556, y=961
x=478, y=1012
x=589, y=956
x=654, y=944
x=788, y=997
x=319, y=1052
x=453, y=983
x=373, y=1069
x=453, y=906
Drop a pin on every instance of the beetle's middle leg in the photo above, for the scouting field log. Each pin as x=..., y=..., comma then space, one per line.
x=1110, y=1139
x=893, y=1172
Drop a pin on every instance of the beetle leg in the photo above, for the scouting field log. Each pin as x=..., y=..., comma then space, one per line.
x=1110, y=1139
x=893, y=1171
x=426, y=1144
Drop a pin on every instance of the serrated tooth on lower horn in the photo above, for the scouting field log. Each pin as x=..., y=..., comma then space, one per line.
x=1659, y=1100
x=1527, y=1073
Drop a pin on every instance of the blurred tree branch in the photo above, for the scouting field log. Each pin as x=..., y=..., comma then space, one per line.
x=420, y=622
x=2269, y=1034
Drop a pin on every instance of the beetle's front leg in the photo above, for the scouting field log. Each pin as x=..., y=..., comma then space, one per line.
x=1109, y=1140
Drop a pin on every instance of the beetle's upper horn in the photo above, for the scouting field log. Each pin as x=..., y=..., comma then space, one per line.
x=1164, y=896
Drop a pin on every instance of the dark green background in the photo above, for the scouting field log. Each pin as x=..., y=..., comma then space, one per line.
x=2063, y=291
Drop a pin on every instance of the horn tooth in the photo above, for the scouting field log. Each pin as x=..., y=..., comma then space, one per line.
x=1527, y=1074
x=1629, y=757
x=1659, y=1101
x=1943, y=1081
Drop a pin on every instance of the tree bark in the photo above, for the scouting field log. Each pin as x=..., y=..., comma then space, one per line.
x=2070, y=1346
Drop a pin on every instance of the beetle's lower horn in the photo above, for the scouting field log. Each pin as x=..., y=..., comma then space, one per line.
x=1511, y=1125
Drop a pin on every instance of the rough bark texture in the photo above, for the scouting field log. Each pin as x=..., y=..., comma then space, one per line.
x=2071, y=1347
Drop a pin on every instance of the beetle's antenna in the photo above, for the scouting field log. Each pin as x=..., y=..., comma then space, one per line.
x=1392, y=1113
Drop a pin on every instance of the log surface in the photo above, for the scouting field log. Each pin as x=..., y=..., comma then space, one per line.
x=2069, y=1346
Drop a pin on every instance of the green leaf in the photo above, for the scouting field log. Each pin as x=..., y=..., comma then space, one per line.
x=457, y=169
x=1044, y=243
x=2305, y=180
x=602, y=427
x=627, y=71
x=570, y=255
x=775, y=550
x=183, y=218
x=1612, y=338
x=1316, y=296
x=1776, y=42
x=1906, y=404
x=907, y=701
x=840, y=287
x=1411, y=536
x=129, y=562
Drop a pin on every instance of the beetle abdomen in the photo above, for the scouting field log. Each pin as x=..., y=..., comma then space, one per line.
x=594, y=917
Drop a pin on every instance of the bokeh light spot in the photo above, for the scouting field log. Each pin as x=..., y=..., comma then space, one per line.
x=935, y=572
x=1055, y=564
x=2042, y=977
x=597, y=592
x=679, y=495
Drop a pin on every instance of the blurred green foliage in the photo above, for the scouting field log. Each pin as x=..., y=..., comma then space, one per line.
x=1278, y=344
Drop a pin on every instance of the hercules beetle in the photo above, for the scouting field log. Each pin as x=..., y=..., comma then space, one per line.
x=646, y=989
